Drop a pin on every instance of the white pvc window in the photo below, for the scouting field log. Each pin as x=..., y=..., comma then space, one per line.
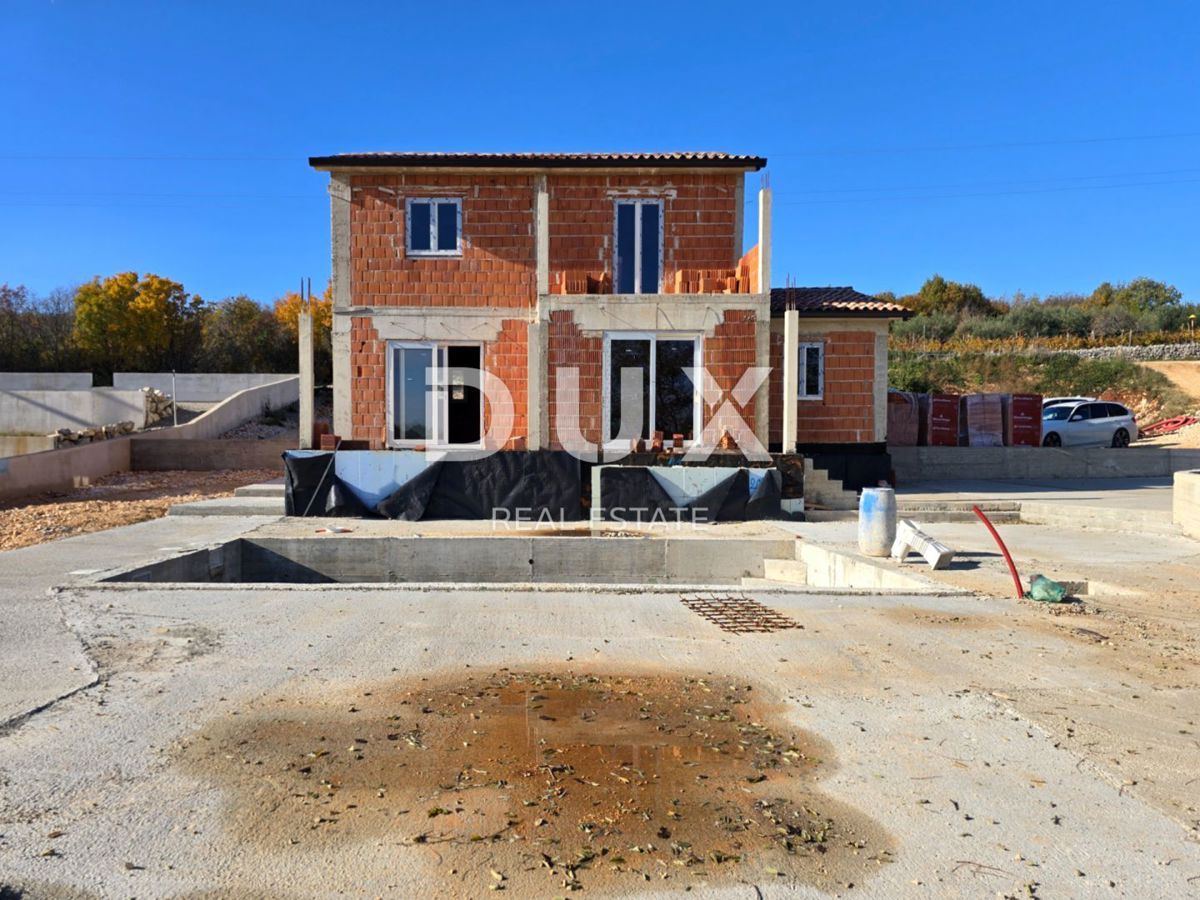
x=433, y=394
x=433, y=226
x=811, y=380
x=637, y=246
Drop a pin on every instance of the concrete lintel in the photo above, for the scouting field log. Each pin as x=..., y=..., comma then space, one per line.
x=791, y=373
x=653, y=312
x=307, y=382
x=764, y=240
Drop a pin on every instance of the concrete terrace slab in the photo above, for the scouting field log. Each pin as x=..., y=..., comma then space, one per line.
x=934, y=745
x=41, y=659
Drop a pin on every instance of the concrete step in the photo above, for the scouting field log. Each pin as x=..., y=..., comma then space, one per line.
x=229, y=506
x=264, y=489
x=770, y=584
x=792, y=571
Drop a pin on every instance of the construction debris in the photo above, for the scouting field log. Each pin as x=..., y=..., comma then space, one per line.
x=158, y=405
x=910, y=539
x=65, y=437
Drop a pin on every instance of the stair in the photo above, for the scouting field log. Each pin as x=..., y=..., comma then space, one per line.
x=820, y=490
x=780, y=573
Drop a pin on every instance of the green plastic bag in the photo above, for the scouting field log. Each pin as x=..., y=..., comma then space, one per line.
x=1045, y=590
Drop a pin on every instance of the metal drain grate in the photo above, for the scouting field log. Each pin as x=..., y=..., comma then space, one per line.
x=737, y=613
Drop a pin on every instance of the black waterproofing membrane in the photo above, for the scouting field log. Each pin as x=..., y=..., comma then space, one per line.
x=312, y=489
x=633, y=494
x=529, y=485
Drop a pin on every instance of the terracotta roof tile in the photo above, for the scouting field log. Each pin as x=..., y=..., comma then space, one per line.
x=541, y=160
x=834, y=301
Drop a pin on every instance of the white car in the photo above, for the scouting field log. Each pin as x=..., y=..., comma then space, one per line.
x=1091, y=423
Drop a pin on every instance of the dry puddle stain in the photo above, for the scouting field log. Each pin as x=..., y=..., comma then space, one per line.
x=541, y=783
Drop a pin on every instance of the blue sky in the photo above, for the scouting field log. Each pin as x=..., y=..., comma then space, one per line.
x=1041, y=147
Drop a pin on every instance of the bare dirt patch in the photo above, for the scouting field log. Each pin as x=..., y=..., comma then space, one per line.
x=115, y=500
x=542, y=783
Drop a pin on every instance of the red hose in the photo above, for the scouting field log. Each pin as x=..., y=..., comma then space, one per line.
x=1008, y=559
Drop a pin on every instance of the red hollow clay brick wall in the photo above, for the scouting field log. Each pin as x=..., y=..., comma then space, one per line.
x=847, y=412
x=497, y=266
x=728, y=353
x=507, y=358
x=368, y=384
x=568, y=348
x=699, y=218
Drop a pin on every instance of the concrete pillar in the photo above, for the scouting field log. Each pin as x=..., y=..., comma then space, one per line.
x=343, y=422
x=739, y=219
x=339, y=221
x=791, y=376
x=762, y=397
x=537, y=381
x=764, y=240
x=306, y=381
x=880, y=388
x=541, y=219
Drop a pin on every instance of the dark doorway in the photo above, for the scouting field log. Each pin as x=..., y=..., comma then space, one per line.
x=464, y=410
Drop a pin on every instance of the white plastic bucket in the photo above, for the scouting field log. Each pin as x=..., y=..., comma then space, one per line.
x=876, y=521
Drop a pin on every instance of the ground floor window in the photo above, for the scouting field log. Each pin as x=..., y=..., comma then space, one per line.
x=434, y=394
x=670, y=399
x=811, y=383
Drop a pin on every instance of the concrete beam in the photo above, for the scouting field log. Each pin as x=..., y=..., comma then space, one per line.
x=541, y=218
x=764, y=240
x=791, y=374
x=307, y=383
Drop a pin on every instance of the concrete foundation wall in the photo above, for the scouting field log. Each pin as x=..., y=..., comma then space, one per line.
x=207, y=455
x=196, y=387
x=45, y=381
x=21, y=444
x=41, y=412
x=913, y=464
x=61, y=470
x=241, y=407
x=1186, y=503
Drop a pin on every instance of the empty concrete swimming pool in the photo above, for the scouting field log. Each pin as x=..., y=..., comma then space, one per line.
x=342, y=559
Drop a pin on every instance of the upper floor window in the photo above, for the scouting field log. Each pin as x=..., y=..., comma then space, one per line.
x=433, y=226
x=637, y=247
x=811, y=384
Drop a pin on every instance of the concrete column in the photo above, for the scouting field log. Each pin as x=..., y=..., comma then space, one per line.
x=880, y=389
x=739, y=219
x=306, y=381
x=791, y=375
x=762, y=397
x=764, y=240
x=339, y=220
x=343, y=422
x=537, y=381
x=541, y=219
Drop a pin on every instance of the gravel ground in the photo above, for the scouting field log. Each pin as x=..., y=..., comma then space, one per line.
x=113, y=501
x=282, y=422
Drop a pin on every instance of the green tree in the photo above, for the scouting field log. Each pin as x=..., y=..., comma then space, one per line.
x=239, y=335
x=140, y=324
x=937, y=295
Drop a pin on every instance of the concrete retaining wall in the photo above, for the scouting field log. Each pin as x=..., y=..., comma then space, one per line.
x=206, y=455
x=21, y=444
x=241, y=407
x=1033, y=463
x=1149, y=353
x=196, y=387
x=61, y=470
x=1186, y=503
x=45, y=381
x=41, y=412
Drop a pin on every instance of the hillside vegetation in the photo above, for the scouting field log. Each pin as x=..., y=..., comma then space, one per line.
x=1148, y=393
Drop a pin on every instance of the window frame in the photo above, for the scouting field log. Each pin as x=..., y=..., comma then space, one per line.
x=802, y=349
x=440, y=389
x=638, y=203
x=609, y=442
x=434, y=203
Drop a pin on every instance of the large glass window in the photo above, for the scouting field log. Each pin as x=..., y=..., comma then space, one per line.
x=669, y=398
x=435, y=393
x=637, y=246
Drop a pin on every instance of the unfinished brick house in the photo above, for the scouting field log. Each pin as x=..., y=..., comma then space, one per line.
x=529, y=265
